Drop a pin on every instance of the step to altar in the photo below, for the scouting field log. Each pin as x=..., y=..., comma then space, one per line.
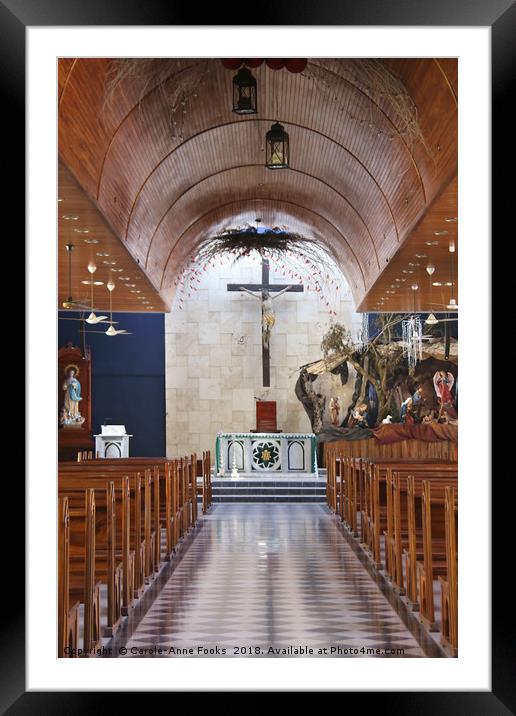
x=270, y=488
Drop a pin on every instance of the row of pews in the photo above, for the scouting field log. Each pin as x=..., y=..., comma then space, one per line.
x=404, y=514
x=119, y=521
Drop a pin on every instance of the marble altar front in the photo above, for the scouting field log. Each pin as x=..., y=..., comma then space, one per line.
x=253, y=454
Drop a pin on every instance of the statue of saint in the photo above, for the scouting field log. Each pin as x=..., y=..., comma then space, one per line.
x=268, y=317
x=335, y=410
x=72, y=394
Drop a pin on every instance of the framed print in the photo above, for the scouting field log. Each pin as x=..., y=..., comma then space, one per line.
x=243, y=380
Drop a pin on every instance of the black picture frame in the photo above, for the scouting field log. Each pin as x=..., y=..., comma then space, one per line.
x=500, y=15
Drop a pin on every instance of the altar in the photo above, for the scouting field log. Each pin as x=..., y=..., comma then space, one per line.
x=253, y=454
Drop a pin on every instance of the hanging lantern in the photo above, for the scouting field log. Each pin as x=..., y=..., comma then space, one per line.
x=244, y=92
x=276, y=139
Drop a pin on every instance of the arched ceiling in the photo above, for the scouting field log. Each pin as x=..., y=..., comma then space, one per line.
x=356, y=180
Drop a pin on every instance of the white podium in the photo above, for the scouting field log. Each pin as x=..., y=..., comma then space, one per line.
x=113, y=441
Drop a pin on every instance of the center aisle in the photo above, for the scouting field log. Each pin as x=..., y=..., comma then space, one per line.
x=270, y=575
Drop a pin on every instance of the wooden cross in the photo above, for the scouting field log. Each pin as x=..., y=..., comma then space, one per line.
x=271, y=288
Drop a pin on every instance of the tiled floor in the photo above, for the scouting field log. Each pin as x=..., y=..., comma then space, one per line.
x=269, y=575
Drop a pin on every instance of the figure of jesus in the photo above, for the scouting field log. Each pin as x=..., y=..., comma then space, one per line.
x=268, y=316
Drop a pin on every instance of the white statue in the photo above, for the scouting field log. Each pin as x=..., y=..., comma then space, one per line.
x=72, y=396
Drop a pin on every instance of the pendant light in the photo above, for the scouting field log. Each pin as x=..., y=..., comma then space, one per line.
x=277, y=147
x=245, y=99
x=431, y=320
x=452, y=305
x=112, y=331
x=92, y=318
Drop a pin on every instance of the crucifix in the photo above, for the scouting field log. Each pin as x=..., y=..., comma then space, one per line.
x=262, y=291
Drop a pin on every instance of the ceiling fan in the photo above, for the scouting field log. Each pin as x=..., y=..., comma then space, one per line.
x=70, y=303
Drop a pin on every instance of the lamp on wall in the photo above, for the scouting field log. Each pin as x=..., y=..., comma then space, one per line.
x=277, y=147
x=245, y=99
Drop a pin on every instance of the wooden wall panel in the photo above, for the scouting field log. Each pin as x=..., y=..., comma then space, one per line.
x=365, y=178
x=405, y=449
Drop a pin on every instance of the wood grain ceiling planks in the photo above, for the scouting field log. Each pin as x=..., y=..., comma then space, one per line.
x=81, y=224
x=354, y=180
x=428, y=245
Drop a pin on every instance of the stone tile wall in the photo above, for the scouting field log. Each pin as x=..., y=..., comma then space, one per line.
x=213, y=356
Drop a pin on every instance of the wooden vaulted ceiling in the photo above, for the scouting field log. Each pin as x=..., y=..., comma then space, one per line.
x=355, y=180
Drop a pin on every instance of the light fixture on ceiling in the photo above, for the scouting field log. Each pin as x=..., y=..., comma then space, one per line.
x=421, y=256
x=451, y=220
x=81, y=231
x=431, y=319
x=277, y=145
x=70, y=217
x=91, y=241
x=452, y=305
x=245, y=98
x=92, y=318
x=102, y=254
x=112, y=331
x=412, y=334
x=432, y=243
x=441, y=233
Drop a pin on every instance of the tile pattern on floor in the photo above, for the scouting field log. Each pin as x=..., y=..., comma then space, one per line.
x=270, y=575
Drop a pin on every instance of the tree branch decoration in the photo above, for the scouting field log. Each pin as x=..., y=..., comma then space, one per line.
x=179, y=80
x=373, y=78
x=177, y=83
x=293, y=258
x=268, y=243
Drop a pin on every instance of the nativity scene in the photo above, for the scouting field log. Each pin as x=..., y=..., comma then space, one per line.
x=258, y=287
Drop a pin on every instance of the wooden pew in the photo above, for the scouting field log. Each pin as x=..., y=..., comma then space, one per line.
x=376, y=499
x=449, y=584
x=68, y=613
x=433, y=564
x=399, y=511
x=124, y=515
x=113, y=566
x=83, y=585
x=203, y=470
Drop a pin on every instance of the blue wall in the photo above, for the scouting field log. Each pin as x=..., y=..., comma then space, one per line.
x=128, y=377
